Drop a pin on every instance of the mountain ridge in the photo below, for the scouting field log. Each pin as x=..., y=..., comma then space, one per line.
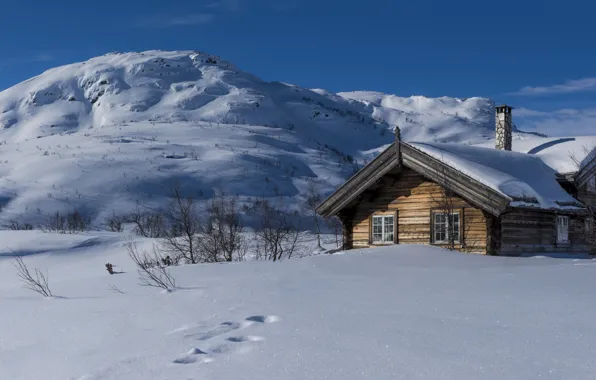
x=115, y=131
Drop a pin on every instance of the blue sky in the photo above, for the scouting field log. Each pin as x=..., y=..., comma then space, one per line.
x=539, y=56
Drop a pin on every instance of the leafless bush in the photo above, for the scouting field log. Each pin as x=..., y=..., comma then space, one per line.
x=148, y=224
x=181, y=239
x=312, y=199
x=589, y=153
x=277, y=235
x=334, y=224
x=114, y=222
x=586, y=228
x=222, y=238
x=149, y=268
x=72, y=222
x=590, y=227
x=16, y=225
x=36, y=281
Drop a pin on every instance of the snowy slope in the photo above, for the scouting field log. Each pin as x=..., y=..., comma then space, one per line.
x=563, y=154
x=443, y=119
x=400, y=312
x=118, y=130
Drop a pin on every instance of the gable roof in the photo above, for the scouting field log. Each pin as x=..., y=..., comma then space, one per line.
x=525, y=179
x=489, y=179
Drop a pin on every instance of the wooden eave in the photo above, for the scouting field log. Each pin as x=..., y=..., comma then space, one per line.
x=471, y=190
x=359, y=182
x=466, y=187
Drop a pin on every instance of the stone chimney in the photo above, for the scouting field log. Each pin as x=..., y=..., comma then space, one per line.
x=503, y=127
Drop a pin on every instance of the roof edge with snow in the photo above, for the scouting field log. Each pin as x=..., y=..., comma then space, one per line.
x=446, y=174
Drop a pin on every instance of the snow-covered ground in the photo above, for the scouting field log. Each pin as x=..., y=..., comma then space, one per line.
x=400, y=312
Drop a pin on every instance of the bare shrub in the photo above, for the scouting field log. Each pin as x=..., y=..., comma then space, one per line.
x=72, y=222
x=114, y=222
x=277, y=235
x=148, y=224
x=334, y=224
x=16, y=225
x=590, y=231
x=312, y=199
x=36, y=281
x=181, y=239
x=222, y=238
x=446, y=208
x=586, y=228
x=149, y=268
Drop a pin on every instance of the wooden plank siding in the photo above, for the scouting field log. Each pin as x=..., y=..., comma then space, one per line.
x=412, y=198
x=586, y=196
x=528, y=231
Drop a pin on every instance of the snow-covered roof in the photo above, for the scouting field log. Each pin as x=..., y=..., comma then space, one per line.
x=563, y=154
x=523, y=178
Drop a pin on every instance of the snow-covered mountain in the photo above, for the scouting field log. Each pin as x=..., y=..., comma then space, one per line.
x=438, y=119
x=117, y=130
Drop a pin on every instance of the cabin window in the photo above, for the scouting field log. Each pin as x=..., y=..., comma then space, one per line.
x=382, y=229
x=446, y=227
x=562, y=229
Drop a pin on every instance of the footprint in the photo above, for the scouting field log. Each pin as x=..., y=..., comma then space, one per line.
x=223, y=328
x=196, y=351
x=193, y=357
x=228, y=348
x=263, y=318
x=185, y=360
x=247, y=338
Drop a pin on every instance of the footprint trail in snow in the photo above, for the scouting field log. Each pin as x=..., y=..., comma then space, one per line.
x=233, y=344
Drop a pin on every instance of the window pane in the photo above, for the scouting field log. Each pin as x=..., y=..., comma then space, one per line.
x=440, y=226
x=388, y=229
x=562, y=229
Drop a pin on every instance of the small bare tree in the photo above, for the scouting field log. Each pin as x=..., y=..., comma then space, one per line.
x=334, y=224
x=114, y=222
x=149, y=268
x=588, y=153
x=71, y=222
x=446, y=205
x=222, y=236
x=36, y=281
x=312, y=199
x=277, y=235
x=181, y=239
x=17, y=225
x=147, y=224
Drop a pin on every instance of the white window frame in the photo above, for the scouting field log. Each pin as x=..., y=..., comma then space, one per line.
x=387, y=225
x=562, y=229
x=436, y=226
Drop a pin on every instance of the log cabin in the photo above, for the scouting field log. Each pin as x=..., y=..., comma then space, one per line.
x=467, y=198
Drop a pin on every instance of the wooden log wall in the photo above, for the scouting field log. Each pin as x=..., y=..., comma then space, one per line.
x=412, y=197
x=586, y=196
x=526, y=231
